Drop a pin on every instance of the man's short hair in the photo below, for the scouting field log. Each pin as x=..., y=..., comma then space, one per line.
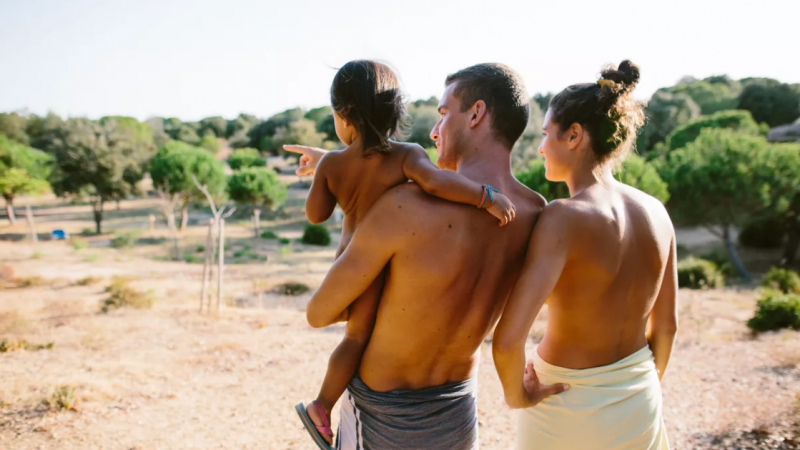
x=503, y=92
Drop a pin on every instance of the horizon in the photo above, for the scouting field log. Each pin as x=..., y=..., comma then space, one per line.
x=190, y=60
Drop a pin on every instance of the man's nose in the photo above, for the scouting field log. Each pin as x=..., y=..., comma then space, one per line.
x=435, y=132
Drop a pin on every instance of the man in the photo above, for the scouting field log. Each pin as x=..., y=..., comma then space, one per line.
x=450, y=271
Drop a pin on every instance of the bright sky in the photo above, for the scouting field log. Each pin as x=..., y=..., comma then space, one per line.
x=197, y=58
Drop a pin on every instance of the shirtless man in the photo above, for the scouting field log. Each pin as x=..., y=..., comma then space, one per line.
x=450, y=271
x=605, y=262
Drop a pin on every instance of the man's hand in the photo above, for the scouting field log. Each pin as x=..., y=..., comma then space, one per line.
x=309, y=158
x=536, y=392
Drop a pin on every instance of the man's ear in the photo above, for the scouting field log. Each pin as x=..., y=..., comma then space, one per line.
x=478, y=113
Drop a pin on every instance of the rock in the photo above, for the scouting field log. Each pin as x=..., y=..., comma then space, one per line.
x=785, y=133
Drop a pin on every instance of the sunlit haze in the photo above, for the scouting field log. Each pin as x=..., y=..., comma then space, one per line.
x=192, y=59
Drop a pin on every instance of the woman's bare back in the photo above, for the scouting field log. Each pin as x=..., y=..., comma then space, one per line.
x=598, y=310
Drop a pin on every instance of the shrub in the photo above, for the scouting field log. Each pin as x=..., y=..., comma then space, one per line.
x=269, y=235
x=31, y=281
x=724, y=265
x=292, y=289
x=86, y=281
x=63, y=398
x=284, y=241
x=122, y=295
x=775, y=311
x=784, y=280
x=201, y=248
x=316, y=235
x=192, y=259
x=698, y=273
x=125, y=239
x=14, y=345
x=79, y=244
x=763, y=233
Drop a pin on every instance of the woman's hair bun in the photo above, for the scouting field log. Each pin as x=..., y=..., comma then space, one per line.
x=627, y=74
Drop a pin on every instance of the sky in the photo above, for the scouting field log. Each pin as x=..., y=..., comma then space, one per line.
x=198, y=58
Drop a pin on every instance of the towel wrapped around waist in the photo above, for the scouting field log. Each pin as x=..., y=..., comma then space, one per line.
x=617, y=407
x=439, y=417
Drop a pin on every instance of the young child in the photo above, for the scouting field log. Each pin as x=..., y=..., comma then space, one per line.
x=368, y=109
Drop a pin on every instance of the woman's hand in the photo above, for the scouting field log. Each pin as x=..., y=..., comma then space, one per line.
x=309, y=158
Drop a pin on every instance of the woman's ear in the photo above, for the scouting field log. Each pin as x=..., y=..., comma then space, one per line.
x=575, y=135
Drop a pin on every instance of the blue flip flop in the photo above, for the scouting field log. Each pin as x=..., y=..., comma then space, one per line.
x=313, y=430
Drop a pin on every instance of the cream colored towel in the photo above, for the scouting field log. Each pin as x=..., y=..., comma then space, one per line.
x=610, y=407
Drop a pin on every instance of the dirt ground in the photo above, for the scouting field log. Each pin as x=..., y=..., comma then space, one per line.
x=170, y=378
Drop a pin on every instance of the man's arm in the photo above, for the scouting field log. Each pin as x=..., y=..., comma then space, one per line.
x=372, y=247
x=548, y=252
x=663, y=323
x=320, y=202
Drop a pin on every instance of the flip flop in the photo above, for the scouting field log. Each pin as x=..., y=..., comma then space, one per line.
x=315, y=431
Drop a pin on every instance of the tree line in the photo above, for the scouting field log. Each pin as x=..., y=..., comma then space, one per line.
x=703, y=151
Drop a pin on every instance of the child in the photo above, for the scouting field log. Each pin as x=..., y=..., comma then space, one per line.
x=367, y=110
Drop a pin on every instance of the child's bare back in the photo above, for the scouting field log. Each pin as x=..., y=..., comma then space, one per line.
x=356, y=181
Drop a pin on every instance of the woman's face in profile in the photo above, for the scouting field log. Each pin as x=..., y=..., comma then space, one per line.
x=555, y=150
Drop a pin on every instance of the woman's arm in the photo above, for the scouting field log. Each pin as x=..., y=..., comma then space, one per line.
x=548, y=252
x=663, y=323
x=417, y=166
x=320, y=202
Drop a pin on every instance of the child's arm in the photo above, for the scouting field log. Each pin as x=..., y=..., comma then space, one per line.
x=452, y=186
x=320, y=202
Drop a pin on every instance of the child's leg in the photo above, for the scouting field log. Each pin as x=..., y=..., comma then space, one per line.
x=344, y=361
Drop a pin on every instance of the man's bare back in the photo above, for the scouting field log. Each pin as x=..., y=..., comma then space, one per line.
x=450, y=273
x=620, y=244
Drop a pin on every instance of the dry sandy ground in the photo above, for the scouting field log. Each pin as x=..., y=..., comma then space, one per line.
x=170, y=378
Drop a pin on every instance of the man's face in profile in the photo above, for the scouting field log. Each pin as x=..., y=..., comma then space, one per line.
x=449, y=133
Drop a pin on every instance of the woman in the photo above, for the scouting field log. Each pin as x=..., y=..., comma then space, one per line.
x=604, y=260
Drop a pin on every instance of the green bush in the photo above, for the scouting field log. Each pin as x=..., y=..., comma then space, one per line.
x=775, y=311
x=246, y=157
x=284, y=241
x=122, y=295
x=78, y=243
x=269, y=235
x=695, y=273
x=784, y=280
x=316, y=235
x=763, y=233
x=722, y=260
x=292, y=289
x=125, y=239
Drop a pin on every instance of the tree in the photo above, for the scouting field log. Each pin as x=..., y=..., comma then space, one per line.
x=770, y=101
x=423, y=118
x=535, y=179
x=323, y=117
x=543, y=100
x=216, y=125
x=44, y=131
x=23, y=170
x=665, y=111
x=261, y=134
x=741, y=121
x=635, y=171
x=12, y=125
x=719, y=181
x=300, y=132
x=713, y=94
x=240, y=125
x=526, y=148
x=91, y=159
x=210, y=143
x=258, y=187
x=246, y=157
x=171, y=170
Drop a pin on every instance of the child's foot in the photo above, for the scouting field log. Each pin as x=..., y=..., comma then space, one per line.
x=315, y=413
